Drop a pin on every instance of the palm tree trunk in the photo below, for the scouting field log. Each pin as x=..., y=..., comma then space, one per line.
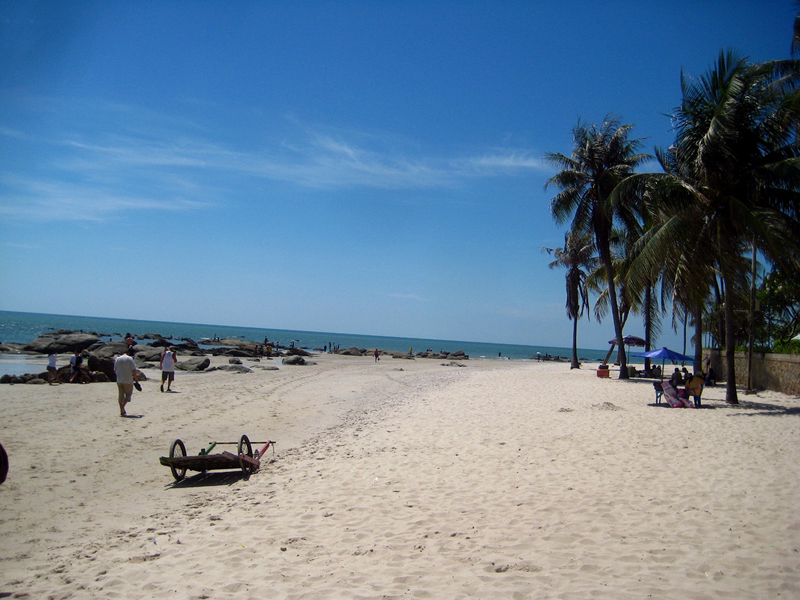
x=698, y=338
x=612, y=294
x=731, y=396
x=575, y=364
x=648, y=299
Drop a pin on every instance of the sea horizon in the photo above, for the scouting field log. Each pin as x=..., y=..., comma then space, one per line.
x=23, y=327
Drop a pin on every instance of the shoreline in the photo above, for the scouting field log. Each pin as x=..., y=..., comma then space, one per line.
x=23, y=325
x=402, y=478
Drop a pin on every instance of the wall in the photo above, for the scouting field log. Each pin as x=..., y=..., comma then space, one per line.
x=778, y=372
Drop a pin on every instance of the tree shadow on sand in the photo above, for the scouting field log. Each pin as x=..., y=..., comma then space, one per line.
x=756, y=409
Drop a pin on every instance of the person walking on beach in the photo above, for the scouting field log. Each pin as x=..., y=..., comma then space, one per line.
x=52, y=371
x=75, y=366
x=125, y=370
x=168, y=360
x=377, y=354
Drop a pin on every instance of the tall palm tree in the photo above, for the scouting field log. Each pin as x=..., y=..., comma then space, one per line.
x=576, y=256
x=602, y=157
x=736, y=178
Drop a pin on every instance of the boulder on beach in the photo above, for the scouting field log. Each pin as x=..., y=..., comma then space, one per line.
x=102, y=365
x=61, y=343
x=232, y=368
x=352, y=351
x=294, y=360
x=296, y=352
x=147, y=353
x=12, y=348
x=111, y=349
x=194, y=363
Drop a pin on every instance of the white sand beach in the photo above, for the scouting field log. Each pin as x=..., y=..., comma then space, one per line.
x=401, y=479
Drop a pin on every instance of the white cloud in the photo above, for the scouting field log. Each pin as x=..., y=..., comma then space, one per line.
x=175, y=165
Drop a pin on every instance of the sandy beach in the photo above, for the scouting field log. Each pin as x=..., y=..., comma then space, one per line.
x=401, y=479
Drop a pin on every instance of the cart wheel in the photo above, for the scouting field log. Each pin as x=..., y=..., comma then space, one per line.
x=177, y=450
x=245, y=449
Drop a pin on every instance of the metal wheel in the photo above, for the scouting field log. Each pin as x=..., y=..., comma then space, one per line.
x=3, y=464
x=245, y=449
x=177, y=450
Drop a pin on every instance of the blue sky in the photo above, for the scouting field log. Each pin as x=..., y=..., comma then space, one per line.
x=360, y=167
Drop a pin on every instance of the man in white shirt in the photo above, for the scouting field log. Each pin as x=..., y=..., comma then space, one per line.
x=125, y=369
x=168, y=360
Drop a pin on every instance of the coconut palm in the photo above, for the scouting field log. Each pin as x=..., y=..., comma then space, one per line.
x=735, y=180
x=602, y=157
x=577, y=256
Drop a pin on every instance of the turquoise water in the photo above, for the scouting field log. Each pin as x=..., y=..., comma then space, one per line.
x=21, y=328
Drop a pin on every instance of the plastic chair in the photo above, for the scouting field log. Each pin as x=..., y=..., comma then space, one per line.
x=694, y=388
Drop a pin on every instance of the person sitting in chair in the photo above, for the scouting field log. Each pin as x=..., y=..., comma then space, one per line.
x=676, y=378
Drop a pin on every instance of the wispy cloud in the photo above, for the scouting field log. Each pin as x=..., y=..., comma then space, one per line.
x=123, y=165
x=63, y=201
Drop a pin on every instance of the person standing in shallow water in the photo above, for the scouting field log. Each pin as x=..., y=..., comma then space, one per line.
x=168, y=360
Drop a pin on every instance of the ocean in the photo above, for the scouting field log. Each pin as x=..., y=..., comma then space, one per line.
x=21, y=328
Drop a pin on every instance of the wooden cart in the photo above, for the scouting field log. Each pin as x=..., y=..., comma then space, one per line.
x=245, y=459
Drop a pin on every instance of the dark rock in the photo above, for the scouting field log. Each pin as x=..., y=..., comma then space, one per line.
x=232, y=368
x=297, y=352
x=36, y=381
x=62, y=343
x=98, y=364
x=352, y=351
x=146, y=353
x=194, y=363
x=234, y=361
x=294, y=360
x=238, y=352
x=12, y=348
x=110, y=349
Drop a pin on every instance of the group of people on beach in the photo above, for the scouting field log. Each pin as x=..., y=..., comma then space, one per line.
x=75, y=362
x=128, y=376
x=681, y=376
x=124, y=368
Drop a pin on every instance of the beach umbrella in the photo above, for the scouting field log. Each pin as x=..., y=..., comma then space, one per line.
x=630, y=340
x=664, y=354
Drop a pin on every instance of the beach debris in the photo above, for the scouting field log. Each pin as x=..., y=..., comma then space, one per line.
x=564, y=409
x=606, y=406
x=453, y=363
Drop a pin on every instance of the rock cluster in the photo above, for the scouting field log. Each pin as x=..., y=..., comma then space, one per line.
x=98, y=365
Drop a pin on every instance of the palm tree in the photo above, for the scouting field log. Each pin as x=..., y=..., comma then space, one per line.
x=735, y=180
x=576, y=256
x=601, y=158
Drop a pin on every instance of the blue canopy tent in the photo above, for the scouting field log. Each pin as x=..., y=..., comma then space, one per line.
x=664, y=354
